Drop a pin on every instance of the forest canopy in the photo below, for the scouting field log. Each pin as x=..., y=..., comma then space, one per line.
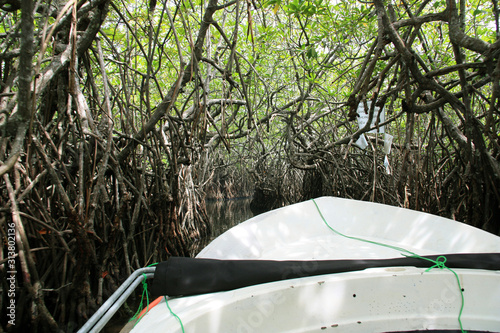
x=119, y=118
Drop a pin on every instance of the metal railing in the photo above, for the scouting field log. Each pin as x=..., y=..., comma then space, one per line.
x=109, y=308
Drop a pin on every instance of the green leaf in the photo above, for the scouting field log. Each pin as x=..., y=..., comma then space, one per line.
x=311, y=53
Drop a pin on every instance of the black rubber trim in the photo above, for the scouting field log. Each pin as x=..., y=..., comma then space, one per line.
x=191, y=276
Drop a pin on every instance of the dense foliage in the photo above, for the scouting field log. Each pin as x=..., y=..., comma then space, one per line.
x=119, y=118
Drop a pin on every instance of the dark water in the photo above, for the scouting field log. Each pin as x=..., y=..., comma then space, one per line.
x=225, y=214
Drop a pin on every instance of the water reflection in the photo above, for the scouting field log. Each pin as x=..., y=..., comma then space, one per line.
x=224, y=214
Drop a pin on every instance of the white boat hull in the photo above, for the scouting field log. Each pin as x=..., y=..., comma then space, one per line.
x=372, y=300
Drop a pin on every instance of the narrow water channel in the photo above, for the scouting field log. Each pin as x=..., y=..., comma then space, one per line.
x=225, y=214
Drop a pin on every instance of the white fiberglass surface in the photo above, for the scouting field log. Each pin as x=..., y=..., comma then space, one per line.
x=374, y=300
x=300, y=229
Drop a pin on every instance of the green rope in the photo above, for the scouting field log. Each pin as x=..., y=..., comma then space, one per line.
x=173, y=314
x=144, y=292
x=361, y=239
x=438, y=263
